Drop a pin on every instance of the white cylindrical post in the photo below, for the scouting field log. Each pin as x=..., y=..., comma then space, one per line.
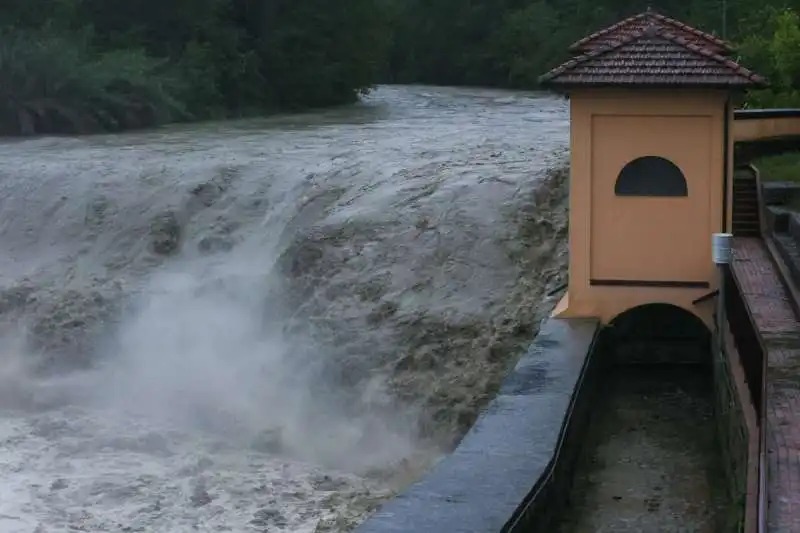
x=721, y=253
x=721, y=244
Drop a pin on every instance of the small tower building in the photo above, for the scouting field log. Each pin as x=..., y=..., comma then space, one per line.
x=651, y=118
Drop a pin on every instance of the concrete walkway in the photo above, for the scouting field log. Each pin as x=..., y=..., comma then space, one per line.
x=773, y=316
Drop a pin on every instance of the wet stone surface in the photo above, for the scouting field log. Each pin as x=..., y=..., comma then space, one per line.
x=650, y=462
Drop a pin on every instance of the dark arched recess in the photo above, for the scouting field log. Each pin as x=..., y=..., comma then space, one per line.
x=659, y=333
x=651, y=175
x=660, y=321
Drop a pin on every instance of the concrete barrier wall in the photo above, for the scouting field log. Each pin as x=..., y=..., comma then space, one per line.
x=511, y=471
x=542, y=512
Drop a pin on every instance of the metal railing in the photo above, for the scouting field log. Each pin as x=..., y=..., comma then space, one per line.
x=752, y=358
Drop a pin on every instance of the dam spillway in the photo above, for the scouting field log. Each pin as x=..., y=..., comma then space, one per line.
x=651, y=180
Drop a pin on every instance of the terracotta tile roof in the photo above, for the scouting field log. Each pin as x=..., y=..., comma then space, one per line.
x=637, y=23
x=653, y=56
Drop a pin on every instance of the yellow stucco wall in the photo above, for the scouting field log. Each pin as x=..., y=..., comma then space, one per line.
x=643, y=239
x=766, y=128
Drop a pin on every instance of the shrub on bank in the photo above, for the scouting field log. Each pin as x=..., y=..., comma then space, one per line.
x=776, y=54
x=56, y=84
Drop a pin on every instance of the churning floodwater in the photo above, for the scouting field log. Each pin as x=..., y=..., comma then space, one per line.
x=265, y=325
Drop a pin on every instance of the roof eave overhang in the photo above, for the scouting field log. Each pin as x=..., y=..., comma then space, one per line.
x=565, y=87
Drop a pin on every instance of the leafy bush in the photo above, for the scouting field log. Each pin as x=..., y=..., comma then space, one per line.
x=56, y=84
x=777, y=53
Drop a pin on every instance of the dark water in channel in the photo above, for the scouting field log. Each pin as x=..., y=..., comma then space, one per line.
x=651, y=461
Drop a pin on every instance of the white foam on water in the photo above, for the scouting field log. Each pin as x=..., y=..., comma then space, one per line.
x=337, y=276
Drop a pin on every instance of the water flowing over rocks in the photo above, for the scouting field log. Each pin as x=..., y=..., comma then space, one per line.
x=267, y=325
x=463, y=349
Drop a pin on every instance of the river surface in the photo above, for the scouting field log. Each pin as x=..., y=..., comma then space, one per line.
x=266, y=325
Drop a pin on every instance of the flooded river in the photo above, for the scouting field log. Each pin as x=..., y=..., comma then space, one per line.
x=265, y=325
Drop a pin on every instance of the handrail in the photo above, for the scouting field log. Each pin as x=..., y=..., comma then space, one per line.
x=762, y=455
x=761, y=498
x=737, y=374
x=756, y=114
x=762, y=226
x=763, y=471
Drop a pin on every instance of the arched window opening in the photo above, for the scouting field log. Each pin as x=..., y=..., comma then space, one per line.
x=651, y=176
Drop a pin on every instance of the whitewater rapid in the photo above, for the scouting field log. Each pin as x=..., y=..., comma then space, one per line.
x=265, y=325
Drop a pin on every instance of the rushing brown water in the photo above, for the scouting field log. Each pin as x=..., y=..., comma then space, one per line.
x=266, y=325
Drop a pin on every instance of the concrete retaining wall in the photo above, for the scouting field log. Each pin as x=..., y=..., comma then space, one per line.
x=514, y=467
x=543, y=510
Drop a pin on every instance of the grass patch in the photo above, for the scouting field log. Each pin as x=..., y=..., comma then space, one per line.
x=783, y=167
x=57, y=84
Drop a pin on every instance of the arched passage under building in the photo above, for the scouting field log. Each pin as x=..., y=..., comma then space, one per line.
x=659, y=333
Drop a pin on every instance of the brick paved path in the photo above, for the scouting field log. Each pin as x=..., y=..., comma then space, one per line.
x=779, y=328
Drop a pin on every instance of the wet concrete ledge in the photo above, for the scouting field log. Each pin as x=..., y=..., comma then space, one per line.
x=782, y=220
x=499, y=476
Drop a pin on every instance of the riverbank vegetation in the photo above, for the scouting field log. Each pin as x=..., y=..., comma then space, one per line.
x=99, y=65
x=509, y=43
x=106, y=65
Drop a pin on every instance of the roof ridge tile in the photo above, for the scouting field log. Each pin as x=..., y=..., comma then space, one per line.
x=714, y=41
x=681, y=73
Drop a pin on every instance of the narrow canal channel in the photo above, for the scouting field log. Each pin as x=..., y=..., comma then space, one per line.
x=650, y=461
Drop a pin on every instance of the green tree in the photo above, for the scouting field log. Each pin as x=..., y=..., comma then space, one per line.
x=180, y=59
x=776, y=51
x=511, y=42
x=152, y=61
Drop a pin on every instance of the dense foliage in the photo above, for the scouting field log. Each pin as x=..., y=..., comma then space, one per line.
x=92, y=65
x=511, y=42
x=99, y=65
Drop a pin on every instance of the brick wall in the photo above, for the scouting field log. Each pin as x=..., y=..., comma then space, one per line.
x=738, y=435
